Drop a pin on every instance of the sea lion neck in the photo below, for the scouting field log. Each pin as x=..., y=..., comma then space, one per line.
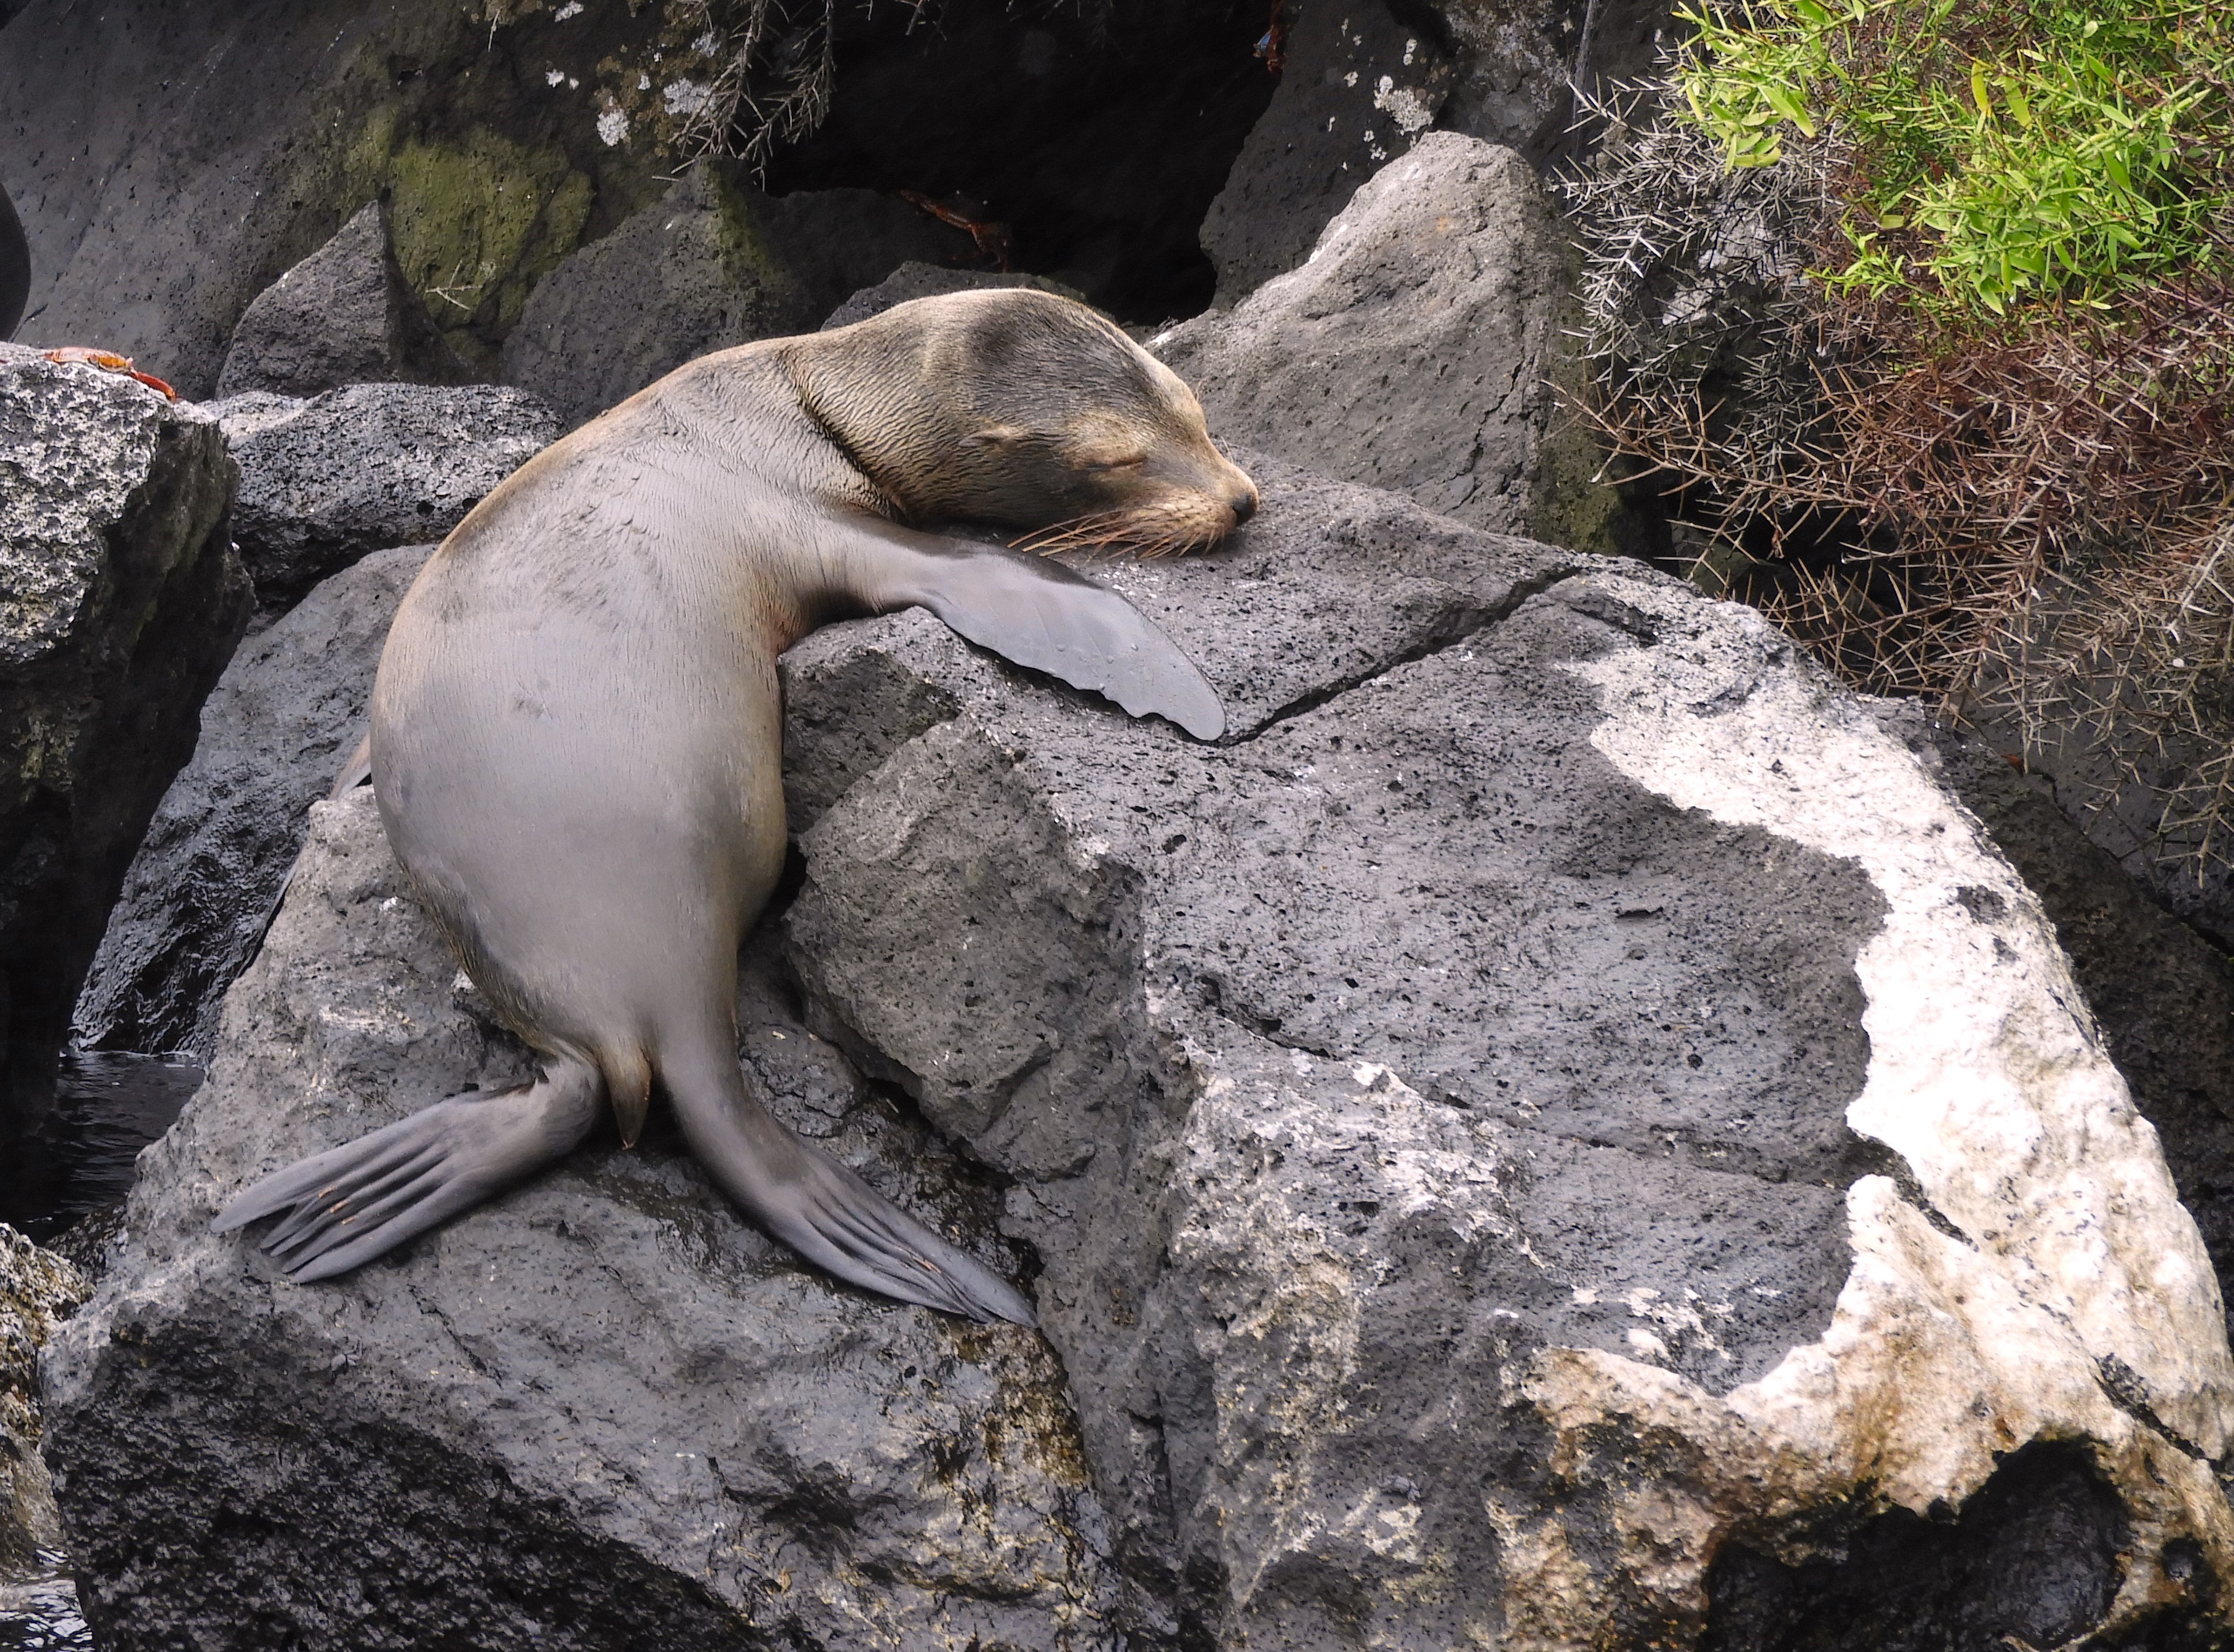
x=880, y=403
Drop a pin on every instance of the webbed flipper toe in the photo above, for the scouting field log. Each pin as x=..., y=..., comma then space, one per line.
x=360, y=1200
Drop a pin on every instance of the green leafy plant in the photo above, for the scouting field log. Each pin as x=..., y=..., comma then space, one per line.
x=1922, y=313
x=1998, y=152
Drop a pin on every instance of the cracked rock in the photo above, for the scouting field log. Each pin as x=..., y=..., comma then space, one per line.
x=120, y=600
x=1559, y=1131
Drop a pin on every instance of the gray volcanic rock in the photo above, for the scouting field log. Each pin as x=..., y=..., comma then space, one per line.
x=1559, y=1129
x=14, y=264
x=1455, y=1096
x=1362, y=82
x=602, y=1412
x=341, y=315
x=715, y=264
x=282, y=720
x=367, y=467
x=120, y=600
x=1358, y=87
x=38, y=1290
x=1410, y=351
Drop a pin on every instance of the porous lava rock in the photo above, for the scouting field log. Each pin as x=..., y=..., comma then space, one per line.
x=1559, y=1129
x=343, y=316
x=603, y=1413
x=282, y=718
x=368, y=467
x=716, y=264
x=37, y=1291
x=1410, y=351
x=120, y=600
x=1363, y=80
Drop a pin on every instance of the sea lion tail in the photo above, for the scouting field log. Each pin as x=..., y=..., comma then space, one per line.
x=360, y=1200
x=823, y=1210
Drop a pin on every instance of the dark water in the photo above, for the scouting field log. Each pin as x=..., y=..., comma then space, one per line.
x=39, y=1614
x=107, y=1106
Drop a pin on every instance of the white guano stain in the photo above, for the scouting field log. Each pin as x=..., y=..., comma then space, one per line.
x=1985, y=1075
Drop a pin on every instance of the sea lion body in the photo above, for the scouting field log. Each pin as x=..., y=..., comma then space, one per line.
x=577, y=725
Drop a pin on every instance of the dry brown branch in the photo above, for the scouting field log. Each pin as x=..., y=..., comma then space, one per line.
x=2039, y=522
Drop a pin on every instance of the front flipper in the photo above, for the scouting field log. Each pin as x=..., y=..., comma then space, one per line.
x=1045, y=615
x=360, y=1200
x=355, y=772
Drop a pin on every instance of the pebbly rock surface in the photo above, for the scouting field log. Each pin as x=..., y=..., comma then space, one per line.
x=38, y=1290
x=716, y=264
x=367, y=467
x=343, y=316
x=119, y=601
x=282, y=718
x=1560, y=1131
x=604, y=1413
x=1410, y=351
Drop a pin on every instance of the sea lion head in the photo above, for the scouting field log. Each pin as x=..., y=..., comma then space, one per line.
x=1026, y=410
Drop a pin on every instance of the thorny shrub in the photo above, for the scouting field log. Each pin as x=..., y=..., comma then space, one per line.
x=1926, y=311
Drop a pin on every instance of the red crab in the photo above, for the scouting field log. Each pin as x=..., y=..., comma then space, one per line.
x=112, y=362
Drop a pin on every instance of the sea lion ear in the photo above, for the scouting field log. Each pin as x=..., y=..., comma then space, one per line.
x=995, y=436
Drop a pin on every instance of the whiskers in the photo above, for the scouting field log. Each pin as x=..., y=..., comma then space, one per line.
x=1167, y=529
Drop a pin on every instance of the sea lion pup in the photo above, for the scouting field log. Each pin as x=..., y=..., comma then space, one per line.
x=577, y=729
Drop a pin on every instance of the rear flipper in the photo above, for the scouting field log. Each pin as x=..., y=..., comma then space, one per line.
x=831, y=1216
x=360, y=1200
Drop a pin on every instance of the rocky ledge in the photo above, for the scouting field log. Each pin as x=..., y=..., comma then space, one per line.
x=1559, y=1131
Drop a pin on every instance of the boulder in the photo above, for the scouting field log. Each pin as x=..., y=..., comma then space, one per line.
x=367, y=467
x=2139, y=792
x=121, y=600
x=1356, y=87
x=914, y=279
x=635, y=1422
x=1360, y=82
x=1559, y=1129
x=341, y=315
x=2163, y=995
x=715, y=264
x=282, y=718
x=37, y=1291
x=161, y=201
x=1410, y=351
